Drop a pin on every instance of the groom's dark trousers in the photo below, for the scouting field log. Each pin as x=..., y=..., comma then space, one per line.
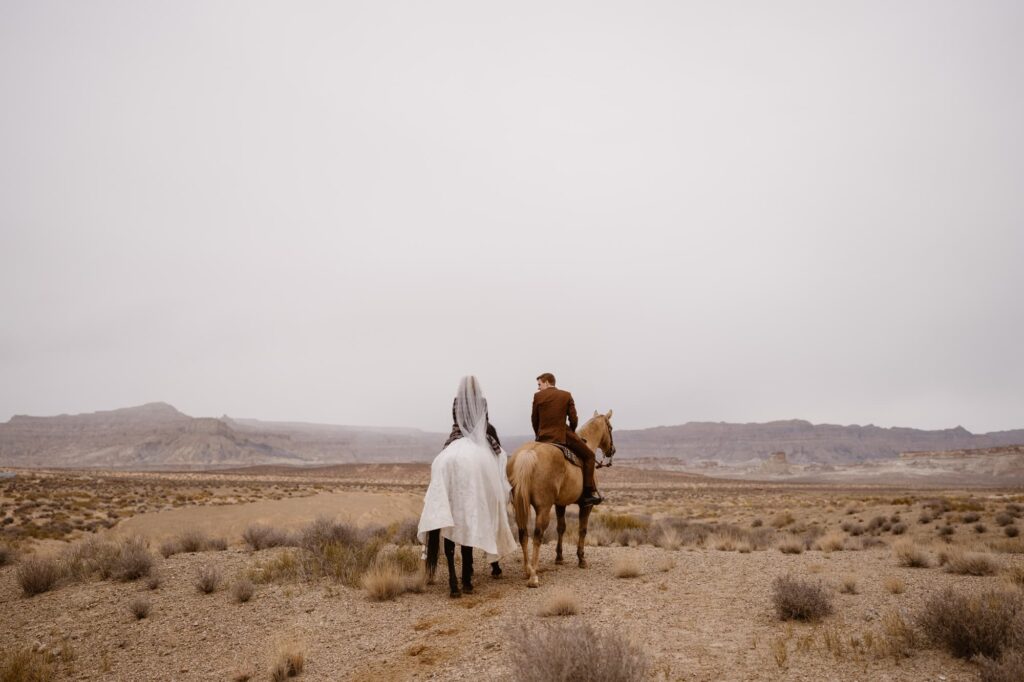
x=552, y=407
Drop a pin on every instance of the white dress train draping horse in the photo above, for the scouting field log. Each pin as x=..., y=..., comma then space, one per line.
x=467, y=499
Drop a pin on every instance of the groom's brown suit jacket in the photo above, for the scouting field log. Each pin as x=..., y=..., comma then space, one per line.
x=551, y=407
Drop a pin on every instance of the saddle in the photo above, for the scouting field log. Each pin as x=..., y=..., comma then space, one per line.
x=569, y=455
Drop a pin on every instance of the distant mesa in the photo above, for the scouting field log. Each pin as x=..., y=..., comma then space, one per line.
x=158, y=436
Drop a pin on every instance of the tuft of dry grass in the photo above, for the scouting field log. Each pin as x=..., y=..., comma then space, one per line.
x=665, y=564
x=24, y=664
x=562, y=602
x=832, y=541
x=154, y=581
x=1015, y=575
x=139, y=607
x=910, y=555
x=971, y=563
x=797, y=599
x=790, y=544
x=781, y=520
x=627, y=566
x=848, y=585
x=895, y=585
x=289, y=661
x=126, y=559
x=574, y=651
x=207, y=579
x=242, y=590
x=6, y=555
x=1009, y=668
x=384, y=581
x=968, y=625
x=36, y=574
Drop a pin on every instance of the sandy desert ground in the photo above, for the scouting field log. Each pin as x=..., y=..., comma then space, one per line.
x=682, y=566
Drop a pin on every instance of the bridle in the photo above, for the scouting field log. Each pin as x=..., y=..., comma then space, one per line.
x=610, y=452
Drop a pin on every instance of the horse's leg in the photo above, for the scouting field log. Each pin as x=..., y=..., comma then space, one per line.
x=467, y=569
x=543, y=516
x=495, y=570
x=524, y=540
x=449, y=554
x=584, y=519
x=560, y=515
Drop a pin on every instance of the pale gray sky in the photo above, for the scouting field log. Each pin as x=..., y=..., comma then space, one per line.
x=737, y=211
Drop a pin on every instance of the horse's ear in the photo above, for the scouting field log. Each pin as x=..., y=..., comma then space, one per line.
x=609, y=415
x=595, y=413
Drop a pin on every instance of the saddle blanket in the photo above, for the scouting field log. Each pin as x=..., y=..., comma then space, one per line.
x=569, y=455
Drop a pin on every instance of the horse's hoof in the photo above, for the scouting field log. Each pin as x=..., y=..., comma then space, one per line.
x=583, y=563
x=455, y=594
x=534, y=582
x=467, y=589
x=559, y=560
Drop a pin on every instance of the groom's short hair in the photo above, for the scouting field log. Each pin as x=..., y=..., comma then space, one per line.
x=547, y=377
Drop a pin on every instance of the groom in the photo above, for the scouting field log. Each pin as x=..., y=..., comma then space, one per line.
x=551, y=408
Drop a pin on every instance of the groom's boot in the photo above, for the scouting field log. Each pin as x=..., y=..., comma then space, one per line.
x=589, y=498
x=467, y=570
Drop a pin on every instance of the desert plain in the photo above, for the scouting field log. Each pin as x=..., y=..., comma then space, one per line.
x=270, y=572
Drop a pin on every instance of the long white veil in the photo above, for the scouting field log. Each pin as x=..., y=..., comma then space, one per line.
x=471, y=411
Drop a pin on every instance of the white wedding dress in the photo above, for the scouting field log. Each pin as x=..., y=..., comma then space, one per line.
x=468, y=492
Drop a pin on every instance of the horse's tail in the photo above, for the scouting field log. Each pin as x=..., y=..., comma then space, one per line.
x=433, y=549
x=523, y=466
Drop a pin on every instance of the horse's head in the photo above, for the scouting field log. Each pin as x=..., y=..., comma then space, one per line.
x=603, y=433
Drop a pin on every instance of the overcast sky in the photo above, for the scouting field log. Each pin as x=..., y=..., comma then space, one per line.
x=686, y=211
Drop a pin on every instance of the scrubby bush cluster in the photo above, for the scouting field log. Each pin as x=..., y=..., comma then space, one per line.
x=797, y=599
x=191, y=541
x=969, y=625
x=574, y=651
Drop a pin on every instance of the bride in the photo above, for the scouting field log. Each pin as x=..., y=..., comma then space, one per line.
x=466, y=499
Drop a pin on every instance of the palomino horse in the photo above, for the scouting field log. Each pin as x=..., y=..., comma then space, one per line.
x=541, y=478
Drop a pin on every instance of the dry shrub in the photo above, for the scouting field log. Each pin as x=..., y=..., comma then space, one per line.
x=1010, y=668
x=562, y=602
x=898, y=528
x=848, y=585
x=259, y=537
x=980, y=528
x=970, y=517
x=1015, y=575
x=574, y=652
x=24, y=664
x=154, y=581
x=406, y=532
x=790, y=544
x=971, y=563
x=627, y=566
x=132, y=560
x=242, y=590
x=797, y=599
x=405, y=558
x=910, y=555
x=895, y=585
x=289, y=661
x=6, y=555
x=756, y=523
x=207, y=579
x=1011, y=531
x=192, y=540
x=832, y=541
x=281, y=568
x=139, y=606
x=969, y=625
x=1003, y=519
x=781, y=520
x=338, y=550
x=38, y=574
x=216, y=544
x=169, y=548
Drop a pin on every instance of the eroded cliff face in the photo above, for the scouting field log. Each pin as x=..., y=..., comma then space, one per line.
x=156, y=435
x=802, y=441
